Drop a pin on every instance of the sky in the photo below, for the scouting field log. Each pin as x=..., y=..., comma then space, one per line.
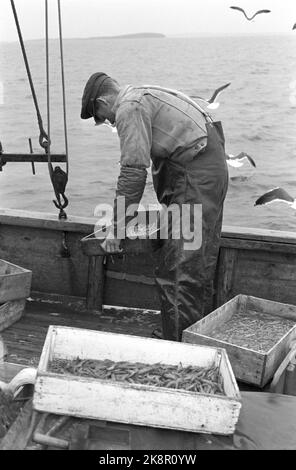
x=88, y=18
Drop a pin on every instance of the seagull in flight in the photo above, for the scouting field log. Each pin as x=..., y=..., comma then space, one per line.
x=276, y=195
x=252, y=17
x=212, y=104
x=294, y=27
x=239, y=160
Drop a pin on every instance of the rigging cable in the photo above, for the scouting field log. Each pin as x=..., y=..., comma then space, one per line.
x=43, y=137
x=58, y=177
x=63, y=86
x=47, y=87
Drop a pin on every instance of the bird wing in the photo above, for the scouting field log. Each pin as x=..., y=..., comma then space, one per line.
x=242, y=10
x=294, y=27
x=213, y=105
x=217, y=92
x=234, y=163
x=209, y=105
x=258, y=13
x=243, y=155
x=276, y=194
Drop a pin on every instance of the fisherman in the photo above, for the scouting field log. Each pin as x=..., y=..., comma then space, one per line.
x=189, y=167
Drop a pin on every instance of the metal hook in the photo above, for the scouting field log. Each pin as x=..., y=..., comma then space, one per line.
x=65, y=252
x=62, y=214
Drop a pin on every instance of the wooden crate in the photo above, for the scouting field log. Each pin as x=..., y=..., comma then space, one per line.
x=134, y=403
x=15, y=282
x=248, y=365
x=10, y=312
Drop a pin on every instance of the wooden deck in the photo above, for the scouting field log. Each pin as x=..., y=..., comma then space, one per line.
x=24, y=341
x=25, y=338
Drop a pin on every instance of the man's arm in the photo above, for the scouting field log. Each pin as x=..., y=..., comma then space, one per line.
x=134, y=129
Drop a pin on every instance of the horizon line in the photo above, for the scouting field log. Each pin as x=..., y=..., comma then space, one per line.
x=166, y=36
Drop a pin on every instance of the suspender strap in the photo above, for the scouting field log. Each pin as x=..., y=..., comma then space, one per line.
x=182, y=96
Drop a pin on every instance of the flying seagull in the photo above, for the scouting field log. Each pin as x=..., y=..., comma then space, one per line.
x=294, y=27
x=276, y=195
x=212, y=104
x=238, y=160
x=255, y=14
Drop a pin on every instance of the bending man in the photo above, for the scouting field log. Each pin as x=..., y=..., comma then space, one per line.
x=189, y=170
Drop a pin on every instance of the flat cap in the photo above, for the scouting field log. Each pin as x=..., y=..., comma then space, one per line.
x=91, y=92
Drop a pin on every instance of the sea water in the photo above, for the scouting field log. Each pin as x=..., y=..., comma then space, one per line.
x=258, y=112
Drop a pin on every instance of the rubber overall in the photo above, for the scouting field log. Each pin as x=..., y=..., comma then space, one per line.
x=184, y=277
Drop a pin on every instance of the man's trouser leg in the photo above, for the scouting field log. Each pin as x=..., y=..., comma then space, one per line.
x=184, y=278
x=181, y=295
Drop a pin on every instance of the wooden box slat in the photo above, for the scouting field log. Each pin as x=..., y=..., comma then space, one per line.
x=248, y=365
x=10, y=312
x=134, y=403
x=15, y=282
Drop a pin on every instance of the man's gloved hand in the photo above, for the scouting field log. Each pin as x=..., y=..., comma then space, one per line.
x=111, y=244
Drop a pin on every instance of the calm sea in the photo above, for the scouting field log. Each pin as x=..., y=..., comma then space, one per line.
x=258, y=112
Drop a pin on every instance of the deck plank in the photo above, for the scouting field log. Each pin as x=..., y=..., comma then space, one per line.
x=25, y=338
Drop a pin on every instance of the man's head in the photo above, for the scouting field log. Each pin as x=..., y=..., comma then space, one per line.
x=98, y=98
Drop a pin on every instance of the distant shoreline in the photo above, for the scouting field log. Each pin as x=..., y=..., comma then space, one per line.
x=130, y=36
x=159, y=35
